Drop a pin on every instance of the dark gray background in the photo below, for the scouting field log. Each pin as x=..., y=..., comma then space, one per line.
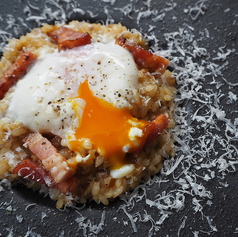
x=27, y=213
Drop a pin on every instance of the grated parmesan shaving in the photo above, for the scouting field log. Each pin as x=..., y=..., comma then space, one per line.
x=206, y=132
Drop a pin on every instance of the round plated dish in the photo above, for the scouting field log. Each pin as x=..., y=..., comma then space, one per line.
x=195, y=194
x=87, y=113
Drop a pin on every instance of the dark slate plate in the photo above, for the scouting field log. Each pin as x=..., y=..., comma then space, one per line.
x=197, y=193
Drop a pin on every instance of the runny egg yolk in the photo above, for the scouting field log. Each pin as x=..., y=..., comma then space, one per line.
x=107, y=127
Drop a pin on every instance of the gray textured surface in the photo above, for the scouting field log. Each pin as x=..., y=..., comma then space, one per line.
x=27, y=213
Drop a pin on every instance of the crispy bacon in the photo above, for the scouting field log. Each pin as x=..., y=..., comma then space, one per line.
x=68, y=38
x=156, y=127
x=144, y=58
x=69, y=186
x=51, y=159
x=152, y=131
x=30, y=170
x=16, y=71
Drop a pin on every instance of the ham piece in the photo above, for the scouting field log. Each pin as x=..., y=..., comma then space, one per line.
x=16, y=71
x=67, y=38
x=31, y=170
x=144, y=58
x=51, y=159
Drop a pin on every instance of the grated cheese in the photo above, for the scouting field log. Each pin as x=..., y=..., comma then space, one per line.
x=206, y=136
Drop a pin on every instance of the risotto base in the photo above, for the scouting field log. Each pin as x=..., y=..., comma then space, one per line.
x=156, y=96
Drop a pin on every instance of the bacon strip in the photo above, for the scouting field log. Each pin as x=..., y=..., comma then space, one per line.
x=51, y=159
x=156, y=127
x=32, y=171
x=68, y=38
x=152, y=131
x=69, y=186
x=16, y=71
x=144, y=58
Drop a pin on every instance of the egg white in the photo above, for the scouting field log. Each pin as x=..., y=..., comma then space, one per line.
x=44, y=99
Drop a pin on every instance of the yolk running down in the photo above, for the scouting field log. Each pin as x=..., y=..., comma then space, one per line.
x=106, y=126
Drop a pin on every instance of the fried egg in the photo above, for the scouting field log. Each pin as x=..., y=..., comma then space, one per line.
x=83, y=95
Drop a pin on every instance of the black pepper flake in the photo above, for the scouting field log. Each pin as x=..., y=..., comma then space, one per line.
x=49, y=102
x=119, y=95
x=43, y=143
